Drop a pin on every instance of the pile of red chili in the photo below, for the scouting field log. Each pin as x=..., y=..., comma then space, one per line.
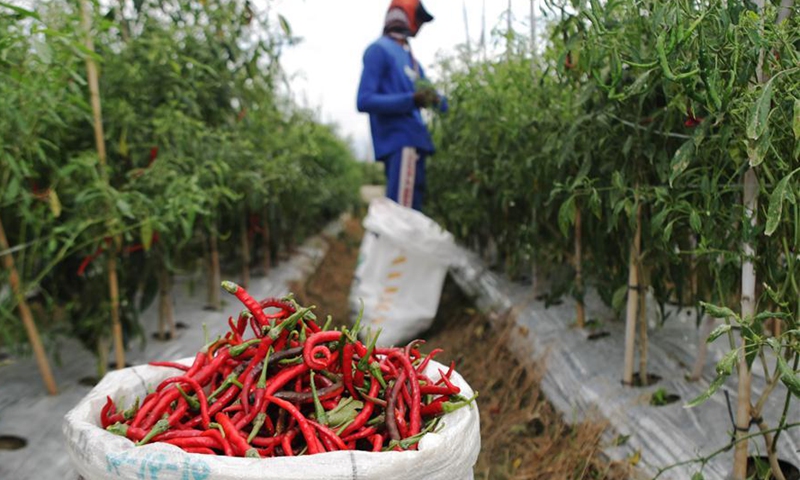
x=293, y=388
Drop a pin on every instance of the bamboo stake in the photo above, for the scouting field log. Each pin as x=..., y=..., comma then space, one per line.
x=580, y=307
x=99, y=137
x=245, y=253
x=633, y=299
x=743, y=413
x=27, y=317
x=113, y=290
x=642, y=330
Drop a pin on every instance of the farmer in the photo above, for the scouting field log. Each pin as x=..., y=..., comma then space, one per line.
x=393, y=89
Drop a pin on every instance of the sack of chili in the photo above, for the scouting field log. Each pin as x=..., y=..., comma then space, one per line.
x=279, y=397
x=402, y=264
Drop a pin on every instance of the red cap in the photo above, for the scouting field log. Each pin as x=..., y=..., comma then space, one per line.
x=416, y=13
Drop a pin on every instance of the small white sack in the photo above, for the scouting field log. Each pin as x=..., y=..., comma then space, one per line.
x=448, y=454
x=402, y=265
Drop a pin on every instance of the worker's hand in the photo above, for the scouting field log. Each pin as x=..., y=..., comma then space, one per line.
x=426, y=97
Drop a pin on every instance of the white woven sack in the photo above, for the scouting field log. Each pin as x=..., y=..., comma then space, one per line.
x=402, y=265
x=448, y=454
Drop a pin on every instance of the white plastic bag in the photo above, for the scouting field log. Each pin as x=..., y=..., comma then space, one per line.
x=448, y=454
x=402, y=264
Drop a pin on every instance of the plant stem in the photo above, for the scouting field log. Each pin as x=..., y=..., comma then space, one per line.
x=787, y=401
x=777, y=473
x=707, y=458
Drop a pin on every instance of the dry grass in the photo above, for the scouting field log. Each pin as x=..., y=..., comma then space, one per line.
x=522, y=436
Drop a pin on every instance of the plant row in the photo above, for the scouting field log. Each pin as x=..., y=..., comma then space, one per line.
x=651, y=147
x=182, y=151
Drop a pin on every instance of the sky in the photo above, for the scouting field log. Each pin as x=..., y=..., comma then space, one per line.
x=326, y=66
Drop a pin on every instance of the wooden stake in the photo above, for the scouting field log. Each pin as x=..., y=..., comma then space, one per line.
x=27, y=316
x=580, y=307
x=113, y=290
x=633, y=299
x=740, y=452
x=642, y=328
x=99, y=138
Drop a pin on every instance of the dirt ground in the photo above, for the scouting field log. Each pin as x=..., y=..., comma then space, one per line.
x=522, y=436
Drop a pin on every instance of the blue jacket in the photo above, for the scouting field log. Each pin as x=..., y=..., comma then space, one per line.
x=386, y=92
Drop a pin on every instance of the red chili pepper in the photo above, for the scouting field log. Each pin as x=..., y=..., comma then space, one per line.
x=305, y=428
x=312, y=349
x=194, y=442
x=424, y=364
x=153, y=156
x=175, y=365
x=377, y=442
x=255, y=308
x=240, y=446
x=442, y=406
x=216, y=435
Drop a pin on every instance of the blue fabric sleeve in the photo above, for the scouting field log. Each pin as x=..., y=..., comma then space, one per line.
x=370, y=100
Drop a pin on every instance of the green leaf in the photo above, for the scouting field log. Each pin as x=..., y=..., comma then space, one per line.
x=718, y=332
x=681, y=160
x=796, y=122
x=707, y=394
x=146, y=235
x=695, y=222
x=757, y=149
x=618, y=299
x=789, y=377
x=782, y=192
x=718, y=312
x=54, y=202
x=759, y=113
x=124, y=208
x=726, y=363
x=43, y=50
x=566, y=215
x=21, y=11
x=698, y=476
x=344, y=412
x=287, y=29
